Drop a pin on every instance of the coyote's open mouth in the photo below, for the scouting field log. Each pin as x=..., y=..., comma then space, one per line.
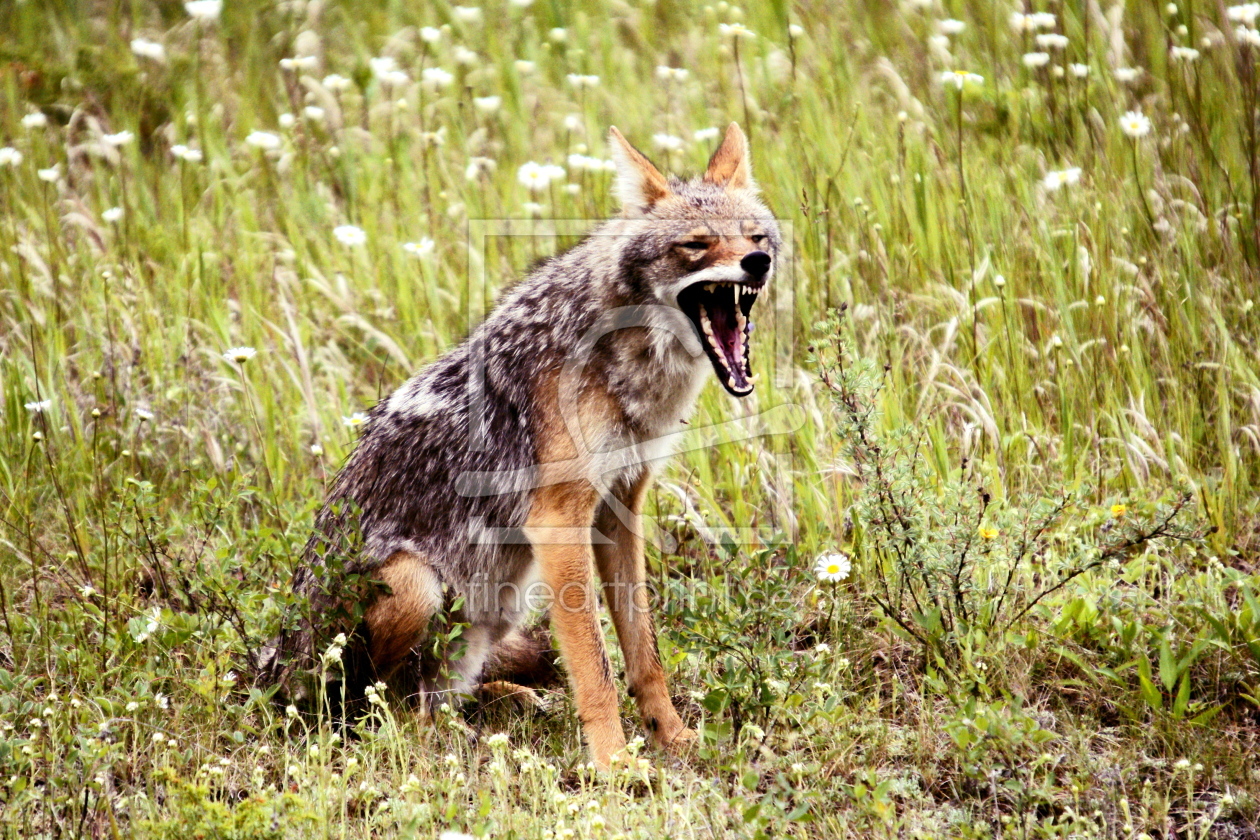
x=720, y=312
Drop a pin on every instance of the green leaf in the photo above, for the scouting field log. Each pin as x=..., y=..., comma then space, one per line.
x=1167, y=665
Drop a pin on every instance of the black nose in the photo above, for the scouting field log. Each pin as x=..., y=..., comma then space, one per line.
x=755, y=263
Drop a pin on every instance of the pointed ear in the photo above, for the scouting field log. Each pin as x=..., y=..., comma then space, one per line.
x=639, y=184
x=730, y=166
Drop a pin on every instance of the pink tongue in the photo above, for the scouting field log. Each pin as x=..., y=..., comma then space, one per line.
x=726, y=332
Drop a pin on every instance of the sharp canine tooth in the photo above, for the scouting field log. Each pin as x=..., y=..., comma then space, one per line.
x=739, y=290
x=710, y=287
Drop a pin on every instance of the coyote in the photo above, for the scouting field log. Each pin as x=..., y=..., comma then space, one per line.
x=511, y=463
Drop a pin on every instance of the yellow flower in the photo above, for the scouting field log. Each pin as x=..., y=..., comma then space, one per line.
x=988, y=533
x=1119, y=510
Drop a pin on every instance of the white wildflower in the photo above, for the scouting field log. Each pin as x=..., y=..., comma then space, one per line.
x=477, y=166
x=1036, y=59
x=667, y=142
x=949, y=26
x=960, y=78
x=465, y=56
x=122, y=138
x=145, y=48
x=10, y=156
x=671, y=74
x=704, y=135
x=467, y=14
x=1052, y=41
x=112, y=215
x=239, y=355
x=437, y=77
x=50, y=174
x=35, y=119
x=422, y=249
x=1184, y=54
x=314, y=113
x=286, y=120
x=524, y=67
x=831, y=568
x=1061, y=178
x=1080, y=71
x=354, y=420
x=336, y=83
x=1021, y=22
x=264, y=140
x=735, y=30
x=204, y=9
x=1244, y=13
x=538, y=176
x=487, y=104
x=430, y=34
x=300, y=62
x=350, y=235
x=1135, y=124
x=582, y=81
x=1125, y=75
x=38, y=407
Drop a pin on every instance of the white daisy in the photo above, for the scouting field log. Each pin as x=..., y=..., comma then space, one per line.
x=1036, y=59
x=1061, y=178
x=422, y=249
x=122, y=138
x=538, y=176
x=350, y=235
x=487, y=104
x=38, y=407
x=239, y=355
x=354, y=420
x=831, y=568
x=10, y=156
x=1135, y=124
x=960, y=78
x=112, y=215
x=35, y=119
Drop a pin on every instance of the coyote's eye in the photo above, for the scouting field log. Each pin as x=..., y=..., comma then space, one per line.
x=695, y=245
x=757, y=238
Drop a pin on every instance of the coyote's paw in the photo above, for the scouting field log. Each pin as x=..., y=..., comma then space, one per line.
x=682, y=741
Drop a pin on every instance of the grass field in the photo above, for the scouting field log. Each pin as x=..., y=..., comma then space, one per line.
x=1034, y=429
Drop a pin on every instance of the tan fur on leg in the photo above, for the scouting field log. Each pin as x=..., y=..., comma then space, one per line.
x=623, y=570
x=398, y=621
x=557, y=511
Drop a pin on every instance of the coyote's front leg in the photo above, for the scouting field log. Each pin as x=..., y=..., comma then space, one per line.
x=558, y=527
x=623, y=570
